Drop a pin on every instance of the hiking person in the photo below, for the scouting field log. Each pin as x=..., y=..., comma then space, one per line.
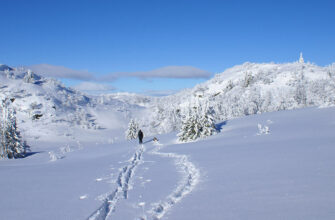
x=140, y=136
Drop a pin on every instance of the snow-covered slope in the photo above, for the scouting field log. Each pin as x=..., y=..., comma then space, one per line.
x=42, y=103
x=240, y=173
x=247, y=89
x=129, y=98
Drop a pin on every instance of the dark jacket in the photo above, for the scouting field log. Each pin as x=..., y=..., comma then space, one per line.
x=140, y=134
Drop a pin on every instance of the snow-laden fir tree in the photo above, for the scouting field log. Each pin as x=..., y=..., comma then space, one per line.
x=208, y=125
x=133, y=128
x=29, y=77
x=10, y=139
x=190, y=129
x=197, y=124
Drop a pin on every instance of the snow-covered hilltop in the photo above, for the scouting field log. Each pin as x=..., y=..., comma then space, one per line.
x=248, y=89
x=4, y=67
x=41, y=102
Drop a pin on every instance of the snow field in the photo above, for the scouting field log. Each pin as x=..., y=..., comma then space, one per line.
x=172, y=177
x=236, y=174
x=190, y=179
x=123, y=186
x=286, y=174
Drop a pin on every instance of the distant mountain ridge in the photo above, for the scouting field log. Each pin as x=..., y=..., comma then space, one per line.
x=246, y=89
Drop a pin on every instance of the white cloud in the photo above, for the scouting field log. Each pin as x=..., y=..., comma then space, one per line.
x=181, y=72
x=93, y=87
x=60, y=72
x=159, y=92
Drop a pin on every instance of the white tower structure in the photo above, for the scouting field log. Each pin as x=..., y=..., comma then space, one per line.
x=301, y=59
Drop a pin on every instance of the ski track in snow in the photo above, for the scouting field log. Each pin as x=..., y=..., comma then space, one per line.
x=186, y=185
x=121, y=192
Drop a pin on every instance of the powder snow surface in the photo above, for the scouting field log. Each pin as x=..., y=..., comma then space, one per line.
x=244, y=172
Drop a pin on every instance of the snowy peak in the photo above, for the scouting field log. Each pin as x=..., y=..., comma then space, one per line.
x=262, y=77
x=22, y=73
x=269, y=69
x=4, y=67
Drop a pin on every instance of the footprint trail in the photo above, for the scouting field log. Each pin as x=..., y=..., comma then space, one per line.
x=123, y=185
x=191, y=176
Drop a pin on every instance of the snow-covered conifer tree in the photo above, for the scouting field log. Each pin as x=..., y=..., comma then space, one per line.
x=208, y=125
x=197, y=124
x=29, y=78
x=11, y=143
x=190, y=129
x=132, y=130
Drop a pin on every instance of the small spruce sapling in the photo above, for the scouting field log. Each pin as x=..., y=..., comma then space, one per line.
x=133, y=128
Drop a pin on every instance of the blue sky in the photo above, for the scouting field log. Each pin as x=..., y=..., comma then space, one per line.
x=159, y=46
